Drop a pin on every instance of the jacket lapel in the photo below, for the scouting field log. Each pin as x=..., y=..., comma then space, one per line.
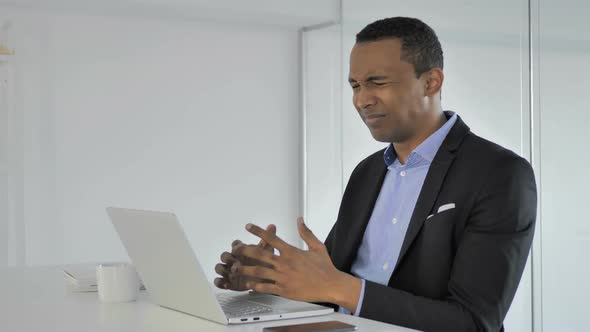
x=432, y=184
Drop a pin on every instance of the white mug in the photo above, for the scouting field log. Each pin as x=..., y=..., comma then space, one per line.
x=117, y=282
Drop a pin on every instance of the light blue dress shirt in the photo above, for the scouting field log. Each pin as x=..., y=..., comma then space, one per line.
x=385, y=232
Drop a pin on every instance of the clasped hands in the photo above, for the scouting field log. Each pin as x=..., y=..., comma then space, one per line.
x=303, y=275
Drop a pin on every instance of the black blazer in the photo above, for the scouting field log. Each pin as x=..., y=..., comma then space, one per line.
x=459, y=269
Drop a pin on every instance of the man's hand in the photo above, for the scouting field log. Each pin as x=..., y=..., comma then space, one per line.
x=304, y=275
x=235, y=282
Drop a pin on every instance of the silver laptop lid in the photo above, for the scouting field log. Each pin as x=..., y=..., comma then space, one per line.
x=166, y=262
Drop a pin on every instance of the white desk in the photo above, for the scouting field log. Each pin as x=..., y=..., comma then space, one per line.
x=35, y=299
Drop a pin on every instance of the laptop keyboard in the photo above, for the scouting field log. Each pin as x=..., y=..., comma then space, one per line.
x=238, y=308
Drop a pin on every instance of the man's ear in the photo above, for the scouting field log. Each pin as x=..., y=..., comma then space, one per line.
x=433, y=81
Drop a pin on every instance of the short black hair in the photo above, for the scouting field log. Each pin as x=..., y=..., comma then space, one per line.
x=420, y=45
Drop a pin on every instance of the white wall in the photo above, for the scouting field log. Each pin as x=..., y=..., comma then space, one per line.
x=8, y=227
x=197, y=118
x=4, y=225
x=12, y=250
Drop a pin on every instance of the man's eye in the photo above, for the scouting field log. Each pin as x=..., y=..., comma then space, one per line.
x=380, y=83
x=355, y=86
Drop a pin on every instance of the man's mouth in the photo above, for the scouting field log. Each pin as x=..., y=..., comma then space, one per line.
x=374, y=119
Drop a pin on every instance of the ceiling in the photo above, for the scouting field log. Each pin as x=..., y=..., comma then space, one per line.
x=286, y=13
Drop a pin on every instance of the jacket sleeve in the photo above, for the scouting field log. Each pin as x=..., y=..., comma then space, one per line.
x=488, y=265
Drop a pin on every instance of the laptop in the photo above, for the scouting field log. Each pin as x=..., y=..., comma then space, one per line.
x=172, y=275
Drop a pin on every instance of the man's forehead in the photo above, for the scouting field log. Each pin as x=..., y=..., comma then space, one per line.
x=379, y=58
x=362, y=70
x=372, y=72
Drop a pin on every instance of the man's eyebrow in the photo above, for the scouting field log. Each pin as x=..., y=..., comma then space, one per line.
x=369, y=79
x=376, y=78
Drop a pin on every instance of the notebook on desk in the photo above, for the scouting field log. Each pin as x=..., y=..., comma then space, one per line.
x=82, y=277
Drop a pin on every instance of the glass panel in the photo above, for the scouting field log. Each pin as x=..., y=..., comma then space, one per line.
x=564, y=136
x=322, y=107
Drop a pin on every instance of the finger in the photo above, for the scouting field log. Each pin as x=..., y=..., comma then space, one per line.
x=236, y=243
x=263, y=287
x=256, y=253
x=307, y=235
x=269, y=238
x=227, y=258
x=220, y=283
x=258, y=272
x=233, y=249
x=222, y=270
x=271, y=229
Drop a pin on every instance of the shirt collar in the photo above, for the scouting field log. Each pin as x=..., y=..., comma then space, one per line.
x=427, y=149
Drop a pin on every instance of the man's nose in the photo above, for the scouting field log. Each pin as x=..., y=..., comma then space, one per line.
x=364, y=99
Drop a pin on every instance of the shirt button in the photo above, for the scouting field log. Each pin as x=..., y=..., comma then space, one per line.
x=402, y=173
x=385, y=266
x=394, y=221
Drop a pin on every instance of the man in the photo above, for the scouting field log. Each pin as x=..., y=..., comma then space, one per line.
x=433, y=232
